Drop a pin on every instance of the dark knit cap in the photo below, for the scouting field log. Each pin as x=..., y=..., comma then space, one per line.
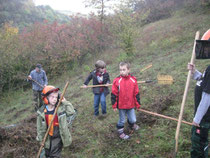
x=39, y=66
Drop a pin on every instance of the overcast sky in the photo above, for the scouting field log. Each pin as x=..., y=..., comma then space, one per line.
x=76, y=6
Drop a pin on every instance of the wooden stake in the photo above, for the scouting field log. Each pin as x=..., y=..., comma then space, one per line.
x=105, y=85
x=163, y=116
x=56, y=109
x=185, y=94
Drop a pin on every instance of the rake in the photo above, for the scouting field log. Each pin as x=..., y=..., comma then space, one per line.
x=163, y=116
x=162, y=79
x=37, y=83
x=165, y=79
x=107, y=85
x=185, y=96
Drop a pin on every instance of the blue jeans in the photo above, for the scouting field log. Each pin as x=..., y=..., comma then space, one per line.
x=97, y=98
x=130, y=114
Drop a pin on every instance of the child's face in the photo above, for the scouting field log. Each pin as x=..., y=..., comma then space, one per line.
x=101, y=69
x=53, y=97
x=124, y=71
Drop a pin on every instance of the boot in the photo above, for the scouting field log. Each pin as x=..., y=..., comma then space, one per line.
x=135, y=127
x=122, y=135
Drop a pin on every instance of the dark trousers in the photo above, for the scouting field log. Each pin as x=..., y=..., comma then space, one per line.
x=199, y=140
x=37, y=99
x=199, y=135
x=55, y=148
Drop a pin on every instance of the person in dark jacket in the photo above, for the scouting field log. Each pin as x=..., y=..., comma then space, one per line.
x=201, y=120
x=125, y=97
x=39, y=80
x=99, y=76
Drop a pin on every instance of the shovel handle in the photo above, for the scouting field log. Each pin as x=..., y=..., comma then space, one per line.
x=37, y=83
x=105, y=85
x=163, y=116
x=185, y=94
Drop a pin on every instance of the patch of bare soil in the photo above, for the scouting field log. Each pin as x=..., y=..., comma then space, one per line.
x=19, y=141
x=159, y=106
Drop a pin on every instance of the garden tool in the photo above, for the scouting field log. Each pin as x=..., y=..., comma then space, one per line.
x=105, y=85
x=37, y=83
x=163, y=116
x=185, y=95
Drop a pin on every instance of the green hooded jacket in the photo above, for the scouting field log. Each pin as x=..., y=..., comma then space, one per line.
x=65, y=110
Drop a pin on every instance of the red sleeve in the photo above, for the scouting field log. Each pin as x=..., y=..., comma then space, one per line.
x=114, y=95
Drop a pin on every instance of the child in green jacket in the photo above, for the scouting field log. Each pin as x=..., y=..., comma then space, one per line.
x=59, y=134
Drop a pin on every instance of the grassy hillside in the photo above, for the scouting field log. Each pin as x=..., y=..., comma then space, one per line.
x=167, y=44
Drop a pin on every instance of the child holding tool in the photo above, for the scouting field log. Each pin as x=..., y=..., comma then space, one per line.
x=59, y=134
x=100, y=76
x=201, y=121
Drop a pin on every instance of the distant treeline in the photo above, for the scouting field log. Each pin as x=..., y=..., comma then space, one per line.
x=22, y=13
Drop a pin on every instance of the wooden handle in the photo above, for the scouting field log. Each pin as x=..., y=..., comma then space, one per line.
x=37, y=83
x=163, y=116
x=185, y=93
x=147, y=67
x=105, y=85
x=56, y=109
x=100, y=85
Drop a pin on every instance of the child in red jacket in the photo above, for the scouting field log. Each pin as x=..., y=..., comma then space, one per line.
x=125, y=97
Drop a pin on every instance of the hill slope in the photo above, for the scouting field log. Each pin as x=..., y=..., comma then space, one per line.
x=167, y=44
x=23, y=13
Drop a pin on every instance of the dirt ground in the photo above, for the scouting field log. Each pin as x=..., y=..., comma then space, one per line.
x=159, y=106
x=19, y=141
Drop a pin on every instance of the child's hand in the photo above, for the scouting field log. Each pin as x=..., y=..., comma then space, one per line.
x=107, y=85
x=41, y=144
x=138, y=109
x=63, y=99
x=115, y=109
x=84, y=86
x=191, y=67
x=195, y=124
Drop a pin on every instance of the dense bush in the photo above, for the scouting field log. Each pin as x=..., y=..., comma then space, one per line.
x=56, y=46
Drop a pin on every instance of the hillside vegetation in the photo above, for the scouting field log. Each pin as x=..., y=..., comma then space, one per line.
x=167, y=44
x=22, y=13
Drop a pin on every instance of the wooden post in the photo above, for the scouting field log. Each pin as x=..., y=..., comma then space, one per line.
x=185, y=94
